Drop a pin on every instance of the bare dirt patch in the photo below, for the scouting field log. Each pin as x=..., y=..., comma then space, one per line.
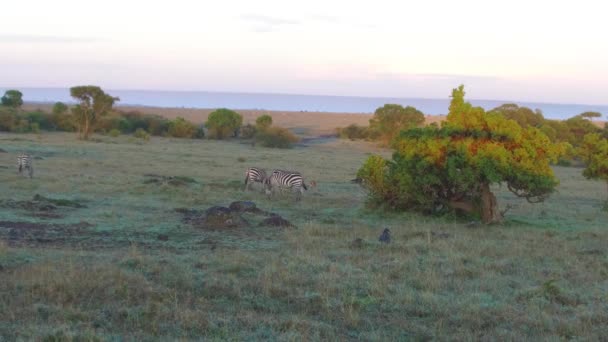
x=22, y=233
x=44, y=207
x=170, y=180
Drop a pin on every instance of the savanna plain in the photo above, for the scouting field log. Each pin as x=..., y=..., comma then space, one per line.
x=96, y=247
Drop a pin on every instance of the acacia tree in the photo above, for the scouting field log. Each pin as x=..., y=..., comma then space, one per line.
x=594, y=152
x=523, y=115
x=452, y=168
x=223, y=123
x=12, y=98
x=92, y=103
x=390, y=119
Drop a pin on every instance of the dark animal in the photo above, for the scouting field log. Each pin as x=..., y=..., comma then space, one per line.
x=385, y=237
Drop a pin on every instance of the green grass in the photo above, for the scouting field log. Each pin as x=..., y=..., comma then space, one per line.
x=100, y=272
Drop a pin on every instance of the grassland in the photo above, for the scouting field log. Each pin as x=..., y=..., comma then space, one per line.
x=124, y=265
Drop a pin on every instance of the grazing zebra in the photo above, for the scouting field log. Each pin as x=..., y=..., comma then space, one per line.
x=286, y=179
x=24, y=161
x=254, y=174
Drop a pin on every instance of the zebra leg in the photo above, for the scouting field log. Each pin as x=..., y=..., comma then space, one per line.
x=298, y=192
x=31, y=169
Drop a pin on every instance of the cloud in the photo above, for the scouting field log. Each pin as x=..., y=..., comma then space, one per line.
x=264, y=23
x=440, y=77
x=32, y=38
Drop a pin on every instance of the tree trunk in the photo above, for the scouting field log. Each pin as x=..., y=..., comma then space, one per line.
x=489, y=206
x=86, y=129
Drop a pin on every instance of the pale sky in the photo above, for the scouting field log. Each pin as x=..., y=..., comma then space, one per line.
x=523, y=50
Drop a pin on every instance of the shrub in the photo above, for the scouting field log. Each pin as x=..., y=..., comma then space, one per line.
x=156, y=124
x=248, y=131
x=141, y=133
x=223, y=123
x=8, y=119
x=390, y=119
x=353, y=132
x=277, y=137
x=263, y=122
x=60, y=108
x=114, y=132
x=182, y=128
x=34, y=127
x=42, y=119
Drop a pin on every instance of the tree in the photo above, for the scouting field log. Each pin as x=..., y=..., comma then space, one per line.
x=594, y=152
x=12, y=98
x=590, y=115
x=263, y=122
x=390, y=119
x=451, y=168
x=93, y=103
x=523, y=115
x=60, y=108
x=223, y=123
x=579, y=126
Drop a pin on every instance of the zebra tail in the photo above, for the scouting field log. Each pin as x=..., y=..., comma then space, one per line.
x=304, y=186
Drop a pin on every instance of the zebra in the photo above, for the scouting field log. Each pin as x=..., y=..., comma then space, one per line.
x=24, y=162
x=285, y=179
x=254, y=174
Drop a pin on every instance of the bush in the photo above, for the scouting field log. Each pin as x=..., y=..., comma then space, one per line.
x=141, y=133
x=114, y=132
x=390, y=119
x=224, y=123
x=353, y=132
x=248, y=131
x=182, y=128
x=60, y=108
x=277, y=137
x=8, y=119
x=263, y=122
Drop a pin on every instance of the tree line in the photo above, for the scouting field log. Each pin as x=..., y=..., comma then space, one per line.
x=94, y=112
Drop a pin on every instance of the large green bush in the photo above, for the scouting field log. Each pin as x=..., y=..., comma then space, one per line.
x=451, y=168
x=223, y=123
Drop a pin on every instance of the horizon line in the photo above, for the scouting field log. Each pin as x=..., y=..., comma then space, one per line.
x=324, y=95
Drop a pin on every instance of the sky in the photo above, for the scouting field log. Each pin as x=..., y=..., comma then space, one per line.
x=521, y=50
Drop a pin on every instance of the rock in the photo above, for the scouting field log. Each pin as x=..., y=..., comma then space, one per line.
x=276, y=221
x=163, y=237
x=3, y=151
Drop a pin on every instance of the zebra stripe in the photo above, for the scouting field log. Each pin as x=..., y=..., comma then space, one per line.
x=286, y=179
x=253, y=175
x=24, y=162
